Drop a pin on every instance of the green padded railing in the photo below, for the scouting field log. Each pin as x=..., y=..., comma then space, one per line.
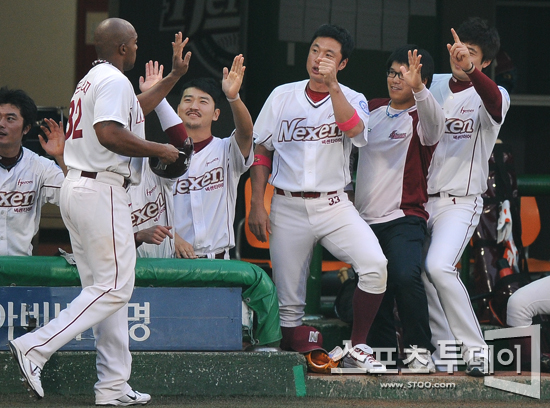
x=258, y=290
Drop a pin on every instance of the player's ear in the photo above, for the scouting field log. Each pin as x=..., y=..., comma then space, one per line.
x=486, y=63
x=26, y=129
x=216, y=114
x=342, y=64
x=122, y=49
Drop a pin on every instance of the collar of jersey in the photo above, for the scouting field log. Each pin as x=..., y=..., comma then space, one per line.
x=456, y=86
x=197, y=147
x=11, y=165
x=312, y=102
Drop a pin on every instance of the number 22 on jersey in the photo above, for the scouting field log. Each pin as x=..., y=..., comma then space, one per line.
x=75, y=113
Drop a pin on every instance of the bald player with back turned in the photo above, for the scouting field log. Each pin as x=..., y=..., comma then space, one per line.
x=105, y=131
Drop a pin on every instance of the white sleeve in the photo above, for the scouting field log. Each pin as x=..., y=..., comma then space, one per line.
x=167, y=115
x=265, y=123
x=431, y=118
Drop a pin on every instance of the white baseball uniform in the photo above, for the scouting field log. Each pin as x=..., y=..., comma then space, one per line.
x=311, y=154
x=456, y=179
x=152, y=202
x=24, y=189
x=205, y=196
x=529, y=301
x=97, y=215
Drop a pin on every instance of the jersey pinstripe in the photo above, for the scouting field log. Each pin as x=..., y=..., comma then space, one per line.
x=205, y=196
x=152, y=204
x=310, y=152
x=104, y=94
x=24, y=189
x=460, y=163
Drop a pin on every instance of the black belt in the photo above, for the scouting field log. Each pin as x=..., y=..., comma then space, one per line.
x=439, y=195
x=303, y=194
x=93, y=175
x=220, y=255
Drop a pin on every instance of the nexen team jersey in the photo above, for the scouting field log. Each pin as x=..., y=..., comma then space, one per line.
x=104, y=94
x=205, y=196
x=152, y=204
x=460, y=162
x=31, y=183
x=310, y=152
x=392, y=167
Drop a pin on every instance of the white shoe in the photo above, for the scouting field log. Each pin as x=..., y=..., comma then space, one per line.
x=361, y=356
x=423, y=363
x=132, y=398
x=30, y=371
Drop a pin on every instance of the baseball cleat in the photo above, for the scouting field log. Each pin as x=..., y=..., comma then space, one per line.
x=478, y=367
x=30, y=372
x=361, y=356
x=132, y=398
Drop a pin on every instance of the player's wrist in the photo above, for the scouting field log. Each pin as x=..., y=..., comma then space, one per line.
x=469, y=70
x=236, y=98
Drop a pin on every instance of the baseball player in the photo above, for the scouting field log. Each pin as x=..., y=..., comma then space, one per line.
x=391, y=191
x=27, y=180
x=152, y=202
x=105, y=130
x=474, y=108
x=204, y=197
x=305, y=133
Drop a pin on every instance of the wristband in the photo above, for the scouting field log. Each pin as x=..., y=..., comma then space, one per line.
x=349, y=124
x=236, y=98
x=469, y=71
x=261, y=160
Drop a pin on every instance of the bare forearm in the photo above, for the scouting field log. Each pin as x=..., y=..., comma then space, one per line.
x=343, y=110
x=121, y=141
x=244, y=127
x=259, y=176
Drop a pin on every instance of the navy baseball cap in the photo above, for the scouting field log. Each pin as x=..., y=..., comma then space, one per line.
x=306, y=339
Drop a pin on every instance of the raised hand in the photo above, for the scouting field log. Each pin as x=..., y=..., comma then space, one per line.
x=153, y=74
x=232, y=80
x=180, y=64
x=56, y=138
x=329, y=69
x=412, y=75
x=460, y=55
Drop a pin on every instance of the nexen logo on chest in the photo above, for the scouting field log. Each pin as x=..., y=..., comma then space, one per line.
x=456, y=126
x=291, y=131
x=214, y=176
x=149, y=211
x=16, y=198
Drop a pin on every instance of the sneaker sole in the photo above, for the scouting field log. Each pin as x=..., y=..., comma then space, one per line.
x=24, y=379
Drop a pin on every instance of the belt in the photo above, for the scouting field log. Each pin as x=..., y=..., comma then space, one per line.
x=104, y=176
x=220, y=255
x=303, y=194
x=442, y=194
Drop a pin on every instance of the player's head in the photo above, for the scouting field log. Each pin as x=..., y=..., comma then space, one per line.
x=115, y=40
x=339, y=34
x=329, y=42
x=17, y=115
x=476, y=31
x=400, y=56
x=199, y=103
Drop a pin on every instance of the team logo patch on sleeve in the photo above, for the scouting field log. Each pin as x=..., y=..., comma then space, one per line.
x=364, y=106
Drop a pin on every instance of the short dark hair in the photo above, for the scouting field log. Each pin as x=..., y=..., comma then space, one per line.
x=208, y=85
x=476, y=30
x=22, y=101
x=339, y=34
x=401, y=55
